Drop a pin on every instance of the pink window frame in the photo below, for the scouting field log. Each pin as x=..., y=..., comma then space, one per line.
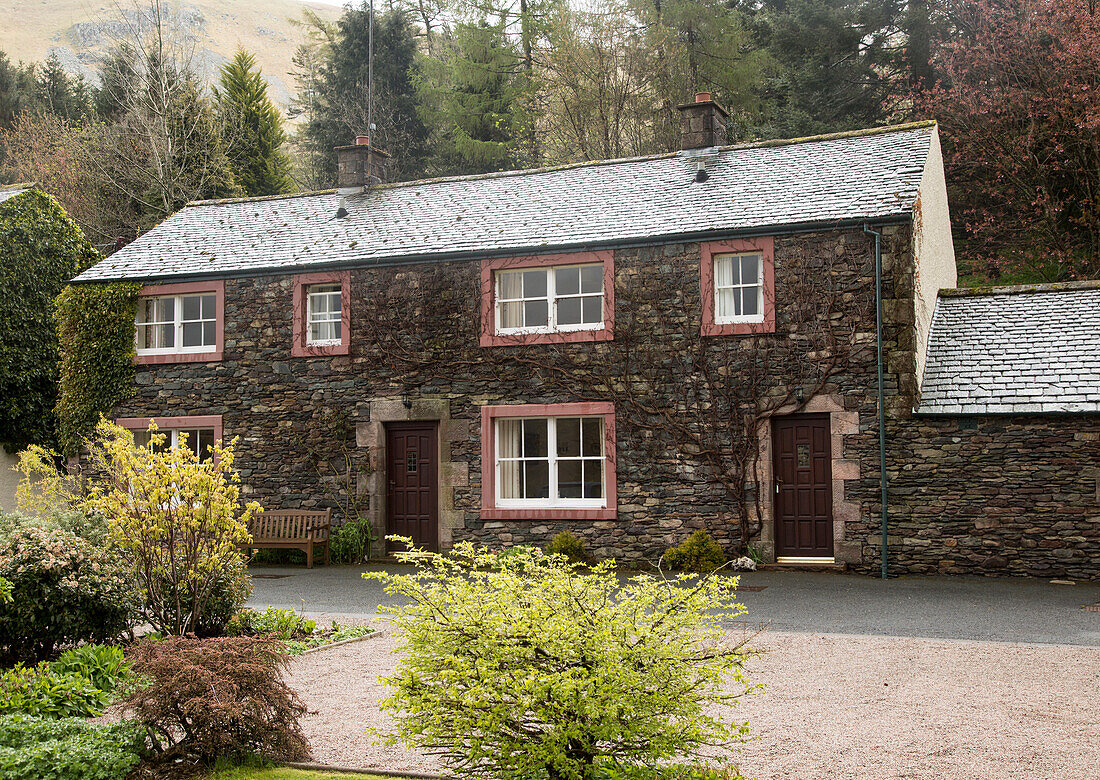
x=183, y=288
x=489, y=267
x=765, y=245
x=489, y=414
x=167, y=423
x=299, y=346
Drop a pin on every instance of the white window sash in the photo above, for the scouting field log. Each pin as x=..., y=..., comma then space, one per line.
x=551, y=299
x=325, y=317
x=177, y=324
x=552, y=502
x=758, y=286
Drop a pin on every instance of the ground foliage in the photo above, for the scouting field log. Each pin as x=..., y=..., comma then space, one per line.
x=34, y=748
x=210, y=698
x=526, y=665
x=41, y=248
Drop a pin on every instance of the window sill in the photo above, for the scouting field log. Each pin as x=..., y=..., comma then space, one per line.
x=736, y=328
x=556, y=337
x=319, y=350
x=548, y=513
x=178, y=357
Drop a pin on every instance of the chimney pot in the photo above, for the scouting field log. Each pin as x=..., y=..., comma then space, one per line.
x=360, y=165
x=703, y=123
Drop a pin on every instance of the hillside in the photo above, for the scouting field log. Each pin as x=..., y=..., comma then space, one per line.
x=79, y=30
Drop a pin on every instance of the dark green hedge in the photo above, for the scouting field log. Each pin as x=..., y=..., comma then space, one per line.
x=41, y=249
x=95, y=324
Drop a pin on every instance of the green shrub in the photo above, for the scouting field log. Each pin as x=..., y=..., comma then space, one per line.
x=5, y=591
x=34, y=748
x=528, y=666
x=104, y=666
x=351, y=541
x=38, y=690
x=568, y=545
x=699, y=553
x=279, y=623
x=206, y=698
x=91, y=527
x=230, y=590
x=65, y=591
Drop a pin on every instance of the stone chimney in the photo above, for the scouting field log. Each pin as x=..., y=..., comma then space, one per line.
x=704, y=123
x=360, y=165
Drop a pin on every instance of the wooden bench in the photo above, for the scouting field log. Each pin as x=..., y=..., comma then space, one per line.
x=290, y=529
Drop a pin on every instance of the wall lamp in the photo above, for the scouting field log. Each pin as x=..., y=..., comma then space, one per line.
x=405, y=400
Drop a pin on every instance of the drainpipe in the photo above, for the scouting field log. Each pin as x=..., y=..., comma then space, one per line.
x=881, y=391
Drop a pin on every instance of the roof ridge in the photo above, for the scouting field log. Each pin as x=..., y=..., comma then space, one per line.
x=765, y=144
x=1017, y=289
x=881, y=130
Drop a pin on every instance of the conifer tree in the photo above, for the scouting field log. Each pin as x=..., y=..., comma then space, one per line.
x=253, y=127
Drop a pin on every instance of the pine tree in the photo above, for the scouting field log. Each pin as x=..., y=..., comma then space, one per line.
x=476, y=93
x=341, y=105
x=253, y=127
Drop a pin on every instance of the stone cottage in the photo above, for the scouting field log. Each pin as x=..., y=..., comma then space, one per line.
x=733, y=338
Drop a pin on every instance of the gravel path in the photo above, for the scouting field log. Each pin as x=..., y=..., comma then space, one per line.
x=836, y=706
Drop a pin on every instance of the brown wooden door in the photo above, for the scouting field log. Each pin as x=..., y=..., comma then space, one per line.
x=803, y=486
x=412, y=474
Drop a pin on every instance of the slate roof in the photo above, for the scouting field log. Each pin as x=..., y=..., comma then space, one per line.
x=13, y=190
x=824, y=180
x=1014, y=350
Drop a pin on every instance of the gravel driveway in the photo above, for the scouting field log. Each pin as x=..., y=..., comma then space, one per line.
x=836, y=707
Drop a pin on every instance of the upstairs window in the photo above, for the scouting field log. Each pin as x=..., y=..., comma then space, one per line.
x=737, y=284
x=738, y=288
x=548, y=299
x=324, y=314
x=321, y=314
x=179, y=322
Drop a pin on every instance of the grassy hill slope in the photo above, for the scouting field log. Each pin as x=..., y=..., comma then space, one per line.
x=79, y=30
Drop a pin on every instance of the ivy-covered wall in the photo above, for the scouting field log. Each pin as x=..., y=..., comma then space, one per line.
x=41, y=248
x=95, y=323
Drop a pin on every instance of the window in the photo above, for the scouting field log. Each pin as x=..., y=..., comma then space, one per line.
x=204, y=438
x=321, y=314
x=738, y=288
x=548, y=461
x=548, y=299
x=179, y=322
x=737, y=284
x=196, y=430
x=324, y=314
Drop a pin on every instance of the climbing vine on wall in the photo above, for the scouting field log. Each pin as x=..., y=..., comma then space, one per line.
x=41, y=248
x=95, y=325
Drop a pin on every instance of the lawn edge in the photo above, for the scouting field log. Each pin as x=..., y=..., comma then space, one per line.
x=374, y=633
x=310, y=766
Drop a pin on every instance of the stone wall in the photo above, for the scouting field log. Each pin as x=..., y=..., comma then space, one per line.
x=1011, y=495
x=274, y=401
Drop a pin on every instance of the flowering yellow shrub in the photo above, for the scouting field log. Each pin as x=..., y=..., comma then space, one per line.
x=175, y=516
